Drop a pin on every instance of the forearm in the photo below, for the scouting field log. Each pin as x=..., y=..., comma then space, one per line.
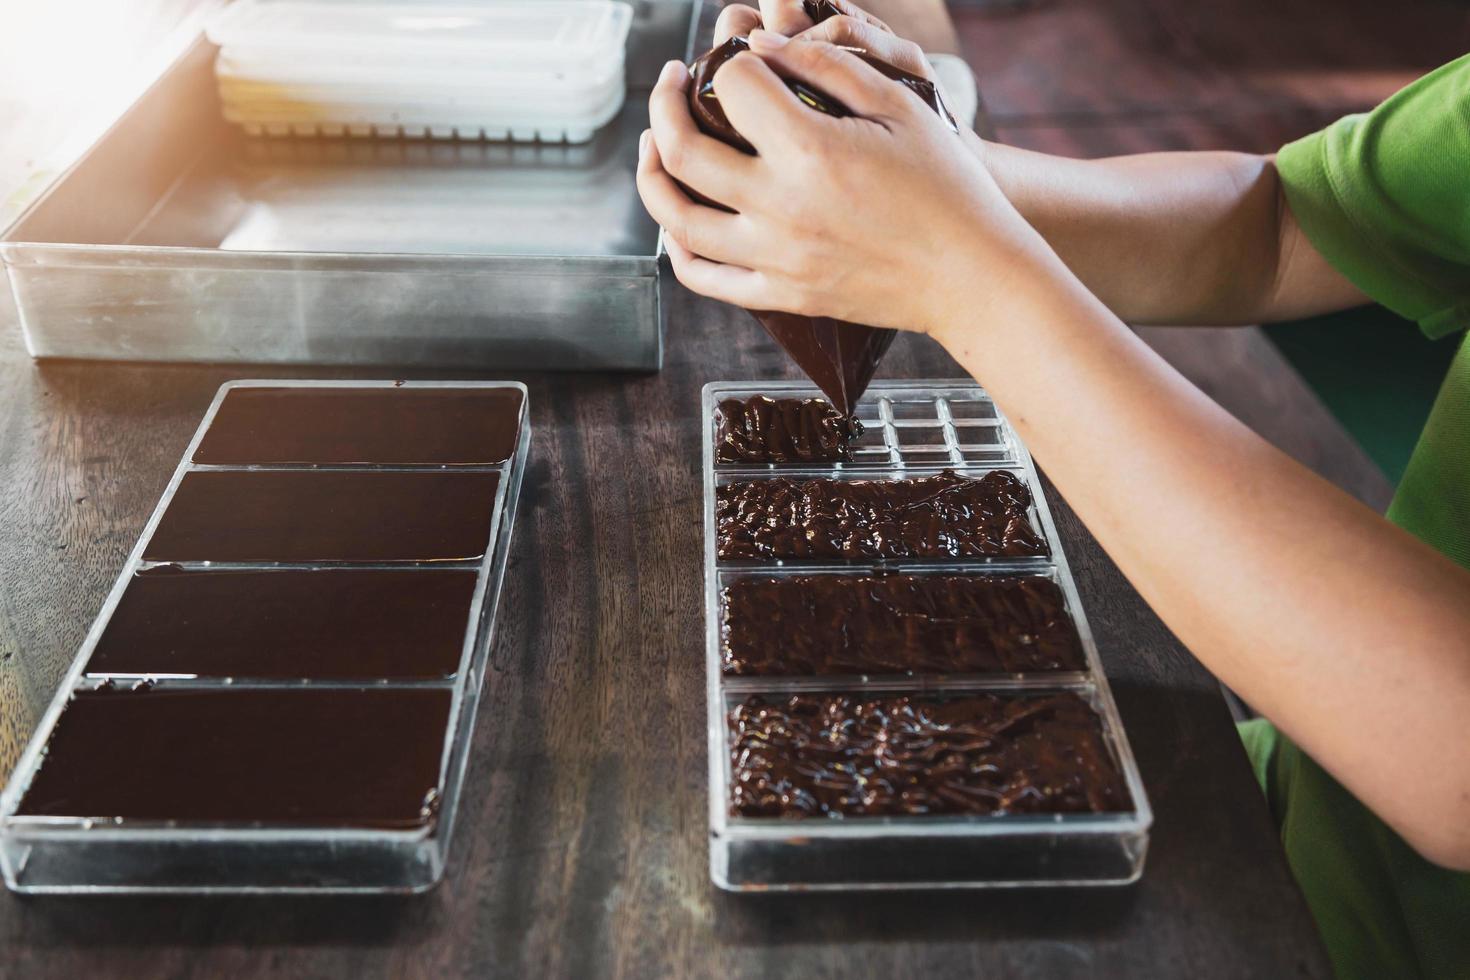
x=1172, y=238
x=1350, y=634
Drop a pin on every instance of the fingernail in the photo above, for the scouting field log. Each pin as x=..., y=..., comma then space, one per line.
x=672, y=71
x=643, y=143
x=764, y=40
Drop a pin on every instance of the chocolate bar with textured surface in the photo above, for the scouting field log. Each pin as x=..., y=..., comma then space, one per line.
x=935, y=517
x=826, y=755
x=894, y=624
x=782, y=430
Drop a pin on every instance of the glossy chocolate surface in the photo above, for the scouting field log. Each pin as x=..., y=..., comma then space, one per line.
x=357, y=758
x=289, y=623
x=821, y=755
x=325, y=515
x=944, y=516
x=894, y=624
x=710, y=116
x=840, y=357
x=387, y=426
x=782, y=430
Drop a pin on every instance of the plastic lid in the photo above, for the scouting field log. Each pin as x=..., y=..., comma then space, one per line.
x=534, y=33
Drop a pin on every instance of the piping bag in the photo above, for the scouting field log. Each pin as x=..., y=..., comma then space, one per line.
x=840, y=357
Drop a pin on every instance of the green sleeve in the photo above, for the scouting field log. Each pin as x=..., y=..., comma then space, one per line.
x=1385, y=197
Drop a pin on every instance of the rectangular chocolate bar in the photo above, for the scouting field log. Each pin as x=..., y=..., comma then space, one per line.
x=356, y=758
x=936, y=517
x=386, y=426
x=782, y=430
x=289, y=623
x=840, y=755
x=895, y=624
x=326, y=515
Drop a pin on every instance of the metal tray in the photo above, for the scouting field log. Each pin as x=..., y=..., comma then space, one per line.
x=177, y=238
x=74, y=855
x=914, y=428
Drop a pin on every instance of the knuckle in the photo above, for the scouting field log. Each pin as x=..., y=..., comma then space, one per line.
x=682, y=229
x=843, y=29
x=673, y=150
x=821, y=55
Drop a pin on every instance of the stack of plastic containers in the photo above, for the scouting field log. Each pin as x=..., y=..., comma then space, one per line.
x=547, y=70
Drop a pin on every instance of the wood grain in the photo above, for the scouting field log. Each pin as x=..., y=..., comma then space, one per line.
x=582, y=848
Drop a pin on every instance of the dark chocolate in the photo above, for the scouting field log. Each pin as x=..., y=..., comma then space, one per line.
x=340, y=624
x=710, y=116
x=840, y=357
x=944, y=516
x=388, y=426
x=820, y=755
x=895, y=624
x=784, y=430
x=356, y=758
x=326, y=515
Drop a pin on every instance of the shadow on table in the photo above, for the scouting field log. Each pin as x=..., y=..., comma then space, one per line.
x=1069, y=914
x=221, y=921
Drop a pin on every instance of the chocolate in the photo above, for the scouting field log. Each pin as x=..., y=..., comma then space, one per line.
x=821, y=755
x=355, y=624
x=840, y=357
x=944, y=516
x=895, y=624
x=356, y=758
x=710, y=116
x=387, y=426
x=784, y=430
x=326, y=515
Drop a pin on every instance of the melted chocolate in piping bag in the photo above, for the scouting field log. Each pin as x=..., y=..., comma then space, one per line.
x=839, y=356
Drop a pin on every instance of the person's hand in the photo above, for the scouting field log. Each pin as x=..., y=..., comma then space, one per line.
x=872, y=218
x=853, y=28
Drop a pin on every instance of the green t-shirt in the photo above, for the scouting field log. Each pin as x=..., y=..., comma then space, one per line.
x=1385, y=197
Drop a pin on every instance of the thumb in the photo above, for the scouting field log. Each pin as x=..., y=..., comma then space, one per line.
x=832, y=70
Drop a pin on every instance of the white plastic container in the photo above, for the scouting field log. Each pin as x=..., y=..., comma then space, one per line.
x=548, y=70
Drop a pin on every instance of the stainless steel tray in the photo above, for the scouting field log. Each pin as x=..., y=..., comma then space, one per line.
x=913, y=428
x=73, y=855
x=177, y=238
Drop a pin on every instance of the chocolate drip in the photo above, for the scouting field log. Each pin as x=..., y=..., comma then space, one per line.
x=784, y=430
x=840, y=357
x=842, y=624
x=842, y=756
x=944, y=516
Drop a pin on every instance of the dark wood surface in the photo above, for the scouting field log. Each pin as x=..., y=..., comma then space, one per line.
x=581, y=848
x=582, y=845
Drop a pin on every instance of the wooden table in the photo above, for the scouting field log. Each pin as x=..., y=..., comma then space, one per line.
x=581, y=848
x=582, y=843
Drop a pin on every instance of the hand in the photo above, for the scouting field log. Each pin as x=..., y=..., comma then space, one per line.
x=874, y=218
x=853, y=28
